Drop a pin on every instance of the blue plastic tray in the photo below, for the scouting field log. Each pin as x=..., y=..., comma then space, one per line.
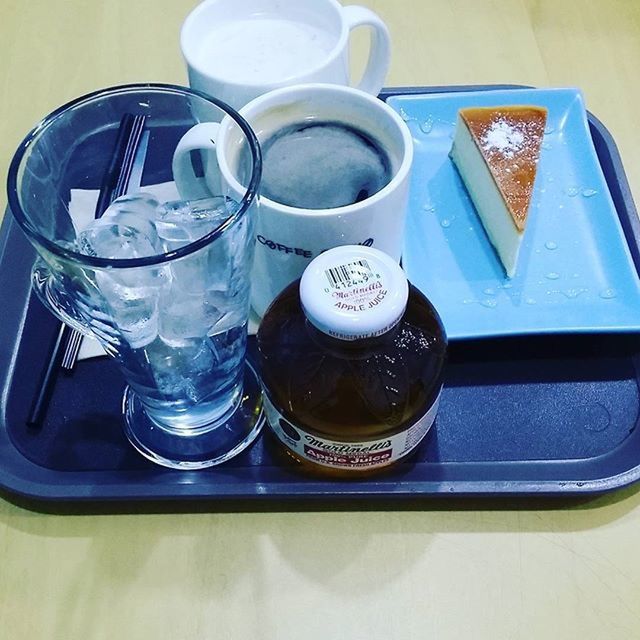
x=536, y=415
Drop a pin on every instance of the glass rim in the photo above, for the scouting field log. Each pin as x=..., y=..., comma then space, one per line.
x=160, y=258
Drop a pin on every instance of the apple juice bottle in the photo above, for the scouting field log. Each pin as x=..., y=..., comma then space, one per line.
x=351, y=358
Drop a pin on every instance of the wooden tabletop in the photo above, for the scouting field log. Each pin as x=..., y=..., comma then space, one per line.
x=451, y=570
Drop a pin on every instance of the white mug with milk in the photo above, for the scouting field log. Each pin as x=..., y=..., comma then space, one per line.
x=336, y=167
x=236, y=50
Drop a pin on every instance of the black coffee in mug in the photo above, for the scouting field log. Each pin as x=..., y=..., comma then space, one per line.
x=322, y=165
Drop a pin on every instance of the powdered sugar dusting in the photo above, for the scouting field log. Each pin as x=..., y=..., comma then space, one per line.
x=503, y=137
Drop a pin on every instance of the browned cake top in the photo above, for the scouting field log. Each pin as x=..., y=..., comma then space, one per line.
x=509, y=139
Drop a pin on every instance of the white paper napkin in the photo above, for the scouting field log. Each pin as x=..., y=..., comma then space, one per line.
x=81, y=209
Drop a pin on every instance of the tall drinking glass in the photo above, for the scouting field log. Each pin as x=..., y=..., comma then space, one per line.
x=162, y=283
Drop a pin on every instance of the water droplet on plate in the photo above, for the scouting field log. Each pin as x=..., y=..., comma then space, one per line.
x=549, y=129
x=445, y=224
x=550, y=245
x=490, y=303
x=405, y=116
x=426, y=126
x=608, y=294
x=588, y=193
x=428, y=207
x=530, y=301
x=552, y=275
x=489, y=292
x=573, y=293
x=507, y=285
x=572, y=192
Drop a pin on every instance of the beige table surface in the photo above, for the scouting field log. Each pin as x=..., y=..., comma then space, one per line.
x=473, y=570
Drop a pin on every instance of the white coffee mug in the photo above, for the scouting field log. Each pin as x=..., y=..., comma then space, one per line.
x=288, y=238
x=236, y=50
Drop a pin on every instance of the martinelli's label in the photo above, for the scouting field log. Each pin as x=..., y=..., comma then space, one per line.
x=369, y=454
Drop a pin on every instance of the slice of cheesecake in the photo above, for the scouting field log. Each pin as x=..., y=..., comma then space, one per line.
x=496, y=152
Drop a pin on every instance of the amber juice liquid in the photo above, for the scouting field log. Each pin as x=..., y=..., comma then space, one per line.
x=350, y=392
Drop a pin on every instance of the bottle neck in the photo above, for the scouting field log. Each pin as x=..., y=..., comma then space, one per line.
x=350, y=348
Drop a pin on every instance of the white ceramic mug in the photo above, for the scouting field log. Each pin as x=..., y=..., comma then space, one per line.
x=236, y=50
x=288, y=238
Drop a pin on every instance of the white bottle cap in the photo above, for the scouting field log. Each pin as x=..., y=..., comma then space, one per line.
x=353, y=292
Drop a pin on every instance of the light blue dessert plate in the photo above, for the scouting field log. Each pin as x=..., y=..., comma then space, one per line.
x=575, y=273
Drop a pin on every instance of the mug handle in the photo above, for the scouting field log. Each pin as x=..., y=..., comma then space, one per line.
x=201, y=136
x=380, y=50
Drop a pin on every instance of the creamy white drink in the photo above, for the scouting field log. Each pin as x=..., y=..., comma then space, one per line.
x=264, y=49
